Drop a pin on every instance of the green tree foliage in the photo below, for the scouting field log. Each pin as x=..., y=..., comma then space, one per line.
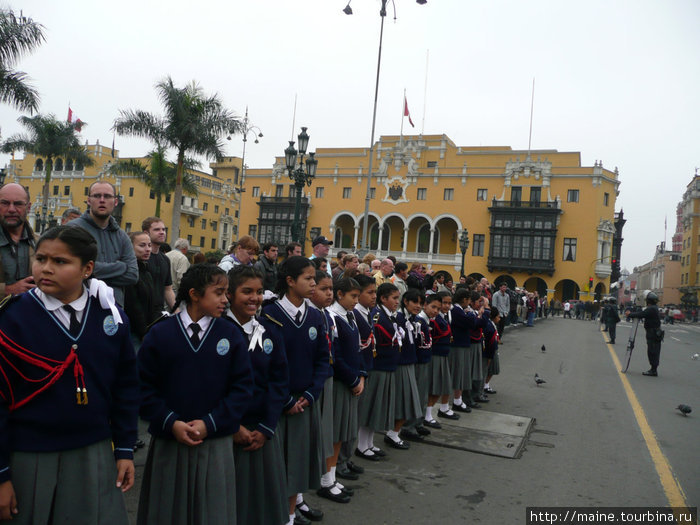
x=193, y=124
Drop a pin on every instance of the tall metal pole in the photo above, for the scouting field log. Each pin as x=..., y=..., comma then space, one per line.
x=365, y=221
x=242, y=175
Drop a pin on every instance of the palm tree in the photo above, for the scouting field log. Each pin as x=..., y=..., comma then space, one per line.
x=49, y=138
x=159, y=175
x=194, y=124
x=18, y=35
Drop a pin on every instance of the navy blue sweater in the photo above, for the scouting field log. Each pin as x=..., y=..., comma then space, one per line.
x=331, y=335
x=53, y=420
x=270, y=380
x=367, y=343
x=408, y=350
x=388, y=349
x=307, y=352
x=461, y=326
x=212, y=382
x=441, y=335
x=490, y=340
x=424, y=343
x=348, y=365
x=477, y=324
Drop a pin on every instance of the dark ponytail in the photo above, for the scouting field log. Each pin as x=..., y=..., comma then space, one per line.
x=292, y=267
x=197, y=277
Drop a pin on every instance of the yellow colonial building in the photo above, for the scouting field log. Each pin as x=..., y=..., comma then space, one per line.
x=536, y=219
x=690, y=256
x=208, y=218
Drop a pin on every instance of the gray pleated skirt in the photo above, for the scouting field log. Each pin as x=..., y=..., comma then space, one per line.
x=458, y=358
x=474, y=365
x=378, y=408
x=326, y=404
x=408, y=405
x=440, y=375
x=345, y=416
x=261, y=485
x=495, y=366
x=300, y=437
x=423, y=382
x=188, y=485
x=71, y=486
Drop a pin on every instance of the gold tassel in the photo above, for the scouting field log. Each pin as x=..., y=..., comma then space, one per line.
x=77, y=396
x=85, y=398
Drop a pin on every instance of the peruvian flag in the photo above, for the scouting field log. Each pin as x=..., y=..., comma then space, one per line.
x=72, y=119
x=407, y=113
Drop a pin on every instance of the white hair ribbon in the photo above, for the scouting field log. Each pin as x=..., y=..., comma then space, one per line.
x=105, y=294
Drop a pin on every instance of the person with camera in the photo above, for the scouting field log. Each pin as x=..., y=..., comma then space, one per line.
x=652, y=326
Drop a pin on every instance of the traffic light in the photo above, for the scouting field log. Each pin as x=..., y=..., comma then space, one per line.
x=590, y=283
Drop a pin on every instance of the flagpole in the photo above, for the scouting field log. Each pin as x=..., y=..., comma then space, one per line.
x=425, y=90
x=532, y=107
x=403, y=113
x=294, y=116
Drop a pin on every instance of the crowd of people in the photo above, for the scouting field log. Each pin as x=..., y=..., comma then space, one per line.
x=263, y=380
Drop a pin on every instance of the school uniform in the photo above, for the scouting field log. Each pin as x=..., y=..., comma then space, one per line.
x=423, y=344
x=476, y=327
x=490, y=351
x=325, y=403
x=308, y=359
x=183, y=379
x=459, y=349
x=59, y=445
x=261, y=482
x=408, y=404
x=380, y=408
x=440, y=372
x=348, y=371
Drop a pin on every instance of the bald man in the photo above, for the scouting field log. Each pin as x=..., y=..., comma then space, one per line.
x=17, y=241
x=386, y=268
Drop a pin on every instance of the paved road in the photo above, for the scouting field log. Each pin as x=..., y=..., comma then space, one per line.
x=587, y=448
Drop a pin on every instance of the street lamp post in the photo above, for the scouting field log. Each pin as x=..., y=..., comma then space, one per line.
x=300, y=177
x=247, y=128
x=463, y=246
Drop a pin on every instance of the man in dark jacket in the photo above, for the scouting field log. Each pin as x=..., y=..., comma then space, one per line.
x=116, y=262
x=652, y=326
x=267, y=264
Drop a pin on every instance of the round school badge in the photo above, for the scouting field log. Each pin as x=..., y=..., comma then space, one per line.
x=267, y=346
x=313, y=333
x=109, y=326
x=222, y=347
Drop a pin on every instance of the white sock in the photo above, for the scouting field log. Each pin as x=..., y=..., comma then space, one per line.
x=291, y=519
x=394, y=436
x=327, y=480
x=300, y=500
x=444, y=407
x=339, y=485
x=370, y=440
x=487, y=386
x=458, y=401
x=429, y=414
x=332, y=473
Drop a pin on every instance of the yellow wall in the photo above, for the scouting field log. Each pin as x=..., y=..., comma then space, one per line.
x=136, y=197
x=465, y=170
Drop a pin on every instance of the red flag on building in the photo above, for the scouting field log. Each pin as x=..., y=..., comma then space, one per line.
x=407, y=113
x=72, y=119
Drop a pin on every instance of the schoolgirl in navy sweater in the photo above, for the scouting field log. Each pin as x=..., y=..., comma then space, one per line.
x=68, y=391
x=439, y=342
x=308, y=357
x=261, y=495
x=348, y=382
x=491, y=340
x=196, y=384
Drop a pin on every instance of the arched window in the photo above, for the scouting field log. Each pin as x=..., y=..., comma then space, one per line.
x=39, y=165
x=338, y=238
x=79, y=166
x=374, y=237
x=58, y=165
x=69, y=165
x=424, y=239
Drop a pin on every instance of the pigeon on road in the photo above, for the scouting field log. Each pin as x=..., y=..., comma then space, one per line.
x=543, y=348
x=685, y=409
x=539, y=380
x=696, y=357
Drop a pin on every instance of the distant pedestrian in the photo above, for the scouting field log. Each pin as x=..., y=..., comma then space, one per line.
x=652, y=326
x=179, y=263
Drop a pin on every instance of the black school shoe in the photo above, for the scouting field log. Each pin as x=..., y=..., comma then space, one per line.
x=422, y=430
x=489, y=390
x=299, y=518
x=311, y=514
x=357, y=469
x=399, y=445
x=410, y=435
x=452, y=416
x=325, y=492
x=370, y=457
x=432, y=424
x=459, y=408
x=343, y=472
x=651, y=373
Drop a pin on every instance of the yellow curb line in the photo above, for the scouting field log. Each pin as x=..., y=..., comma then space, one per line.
x=672, y=489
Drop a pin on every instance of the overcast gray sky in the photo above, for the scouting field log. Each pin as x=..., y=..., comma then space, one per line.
x=616, y=80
